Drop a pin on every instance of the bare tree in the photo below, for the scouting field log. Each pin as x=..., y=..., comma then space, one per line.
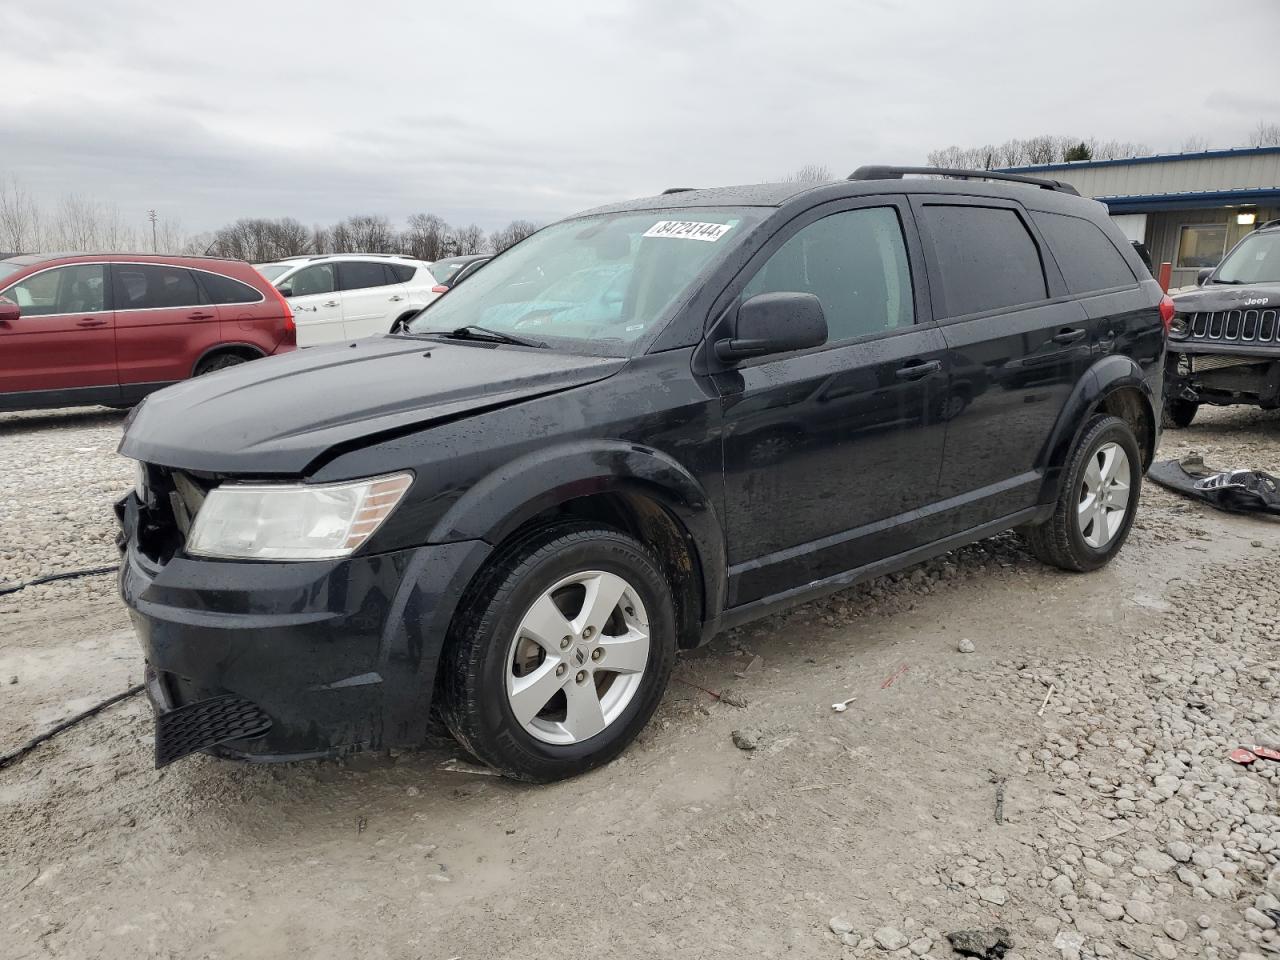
x=467, y=240
x=425, y=237
x=20, y=223
x=1265, y=134
x=364, y=234
x=511, y=234
x=809, y=173
x=1195, y=144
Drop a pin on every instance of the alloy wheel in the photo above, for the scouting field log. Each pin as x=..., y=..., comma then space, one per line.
x=1104, y=495
x=578, y=657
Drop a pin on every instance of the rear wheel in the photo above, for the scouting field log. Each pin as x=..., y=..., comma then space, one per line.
x=1099, y=498
x=219, y=361
x=1180, y=413
x=561, y=653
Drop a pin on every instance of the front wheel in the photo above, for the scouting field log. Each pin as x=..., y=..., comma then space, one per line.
x=1099, y=498
x=1180, y=413
x=560, y=654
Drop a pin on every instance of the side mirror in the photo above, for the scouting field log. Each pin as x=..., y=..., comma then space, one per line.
x=285, y=289
x=1203, y=275
x=9, y=311
x=774, y=323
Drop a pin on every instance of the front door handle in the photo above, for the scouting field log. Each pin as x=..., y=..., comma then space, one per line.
x=91, y=322
x=1069, y=335
x=918, y=370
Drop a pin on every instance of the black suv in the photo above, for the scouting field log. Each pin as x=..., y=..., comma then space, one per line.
x=1224, y=345
x=633, y=429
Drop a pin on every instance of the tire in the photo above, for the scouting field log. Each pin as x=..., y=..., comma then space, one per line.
x=219, y=361
x=1180, y=413
x=537, y=587
x=1064, y=540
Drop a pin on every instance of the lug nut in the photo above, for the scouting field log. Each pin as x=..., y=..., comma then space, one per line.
x=582, y=676
x=564, y=642
x=588, y=633
x=597, y=653
x=561, y=670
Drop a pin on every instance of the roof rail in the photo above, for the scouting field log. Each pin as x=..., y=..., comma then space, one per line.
x=1269, y=223
x=677, y=190
x=897, y=173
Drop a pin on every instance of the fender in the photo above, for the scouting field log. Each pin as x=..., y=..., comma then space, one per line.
x=518, y=491
x=1107, y=375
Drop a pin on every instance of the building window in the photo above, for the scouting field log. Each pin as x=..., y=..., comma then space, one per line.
x=1202, y=245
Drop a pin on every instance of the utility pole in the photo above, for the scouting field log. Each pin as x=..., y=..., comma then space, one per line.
x=155, y=247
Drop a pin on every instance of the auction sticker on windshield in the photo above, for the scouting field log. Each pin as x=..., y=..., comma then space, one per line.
x=689, y=230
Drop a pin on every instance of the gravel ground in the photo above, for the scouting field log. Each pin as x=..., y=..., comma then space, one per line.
x=1125, y=831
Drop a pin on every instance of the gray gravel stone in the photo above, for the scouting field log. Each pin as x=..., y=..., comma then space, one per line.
x=890, y=938
x=1175, y=929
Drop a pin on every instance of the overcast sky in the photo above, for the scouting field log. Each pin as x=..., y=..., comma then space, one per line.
x=483, y=110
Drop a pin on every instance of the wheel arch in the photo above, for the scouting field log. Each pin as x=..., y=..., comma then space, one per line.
x=638, y=489
x=236, y=348
x=1115, y=385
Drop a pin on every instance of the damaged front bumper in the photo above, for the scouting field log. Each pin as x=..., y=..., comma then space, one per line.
x=1222, y=374
x=286, y=661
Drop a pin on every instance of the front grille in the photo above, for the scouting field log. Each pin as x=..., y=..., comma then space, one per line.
x=1235, y=326
x=206, y=723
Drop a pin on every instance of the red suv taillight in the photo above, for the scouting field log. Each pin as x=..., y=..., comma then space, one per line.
x=290, y=328
x=1167, y=310
x=439, y=288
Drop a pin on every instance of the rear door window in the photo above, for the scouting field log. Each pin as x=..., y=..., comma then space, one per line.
x=224, y=290
x=75, y=289
x=153, y=286
x=987, y=258
x=359, y=274
x=1088, y=259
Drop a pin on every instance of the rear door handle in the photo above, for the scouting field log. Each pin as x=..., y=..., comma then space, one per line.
x=330, y=303
x=1068, y=335
x=918, y=370
x=396, y=299
x=91, y=322
x=199, y=316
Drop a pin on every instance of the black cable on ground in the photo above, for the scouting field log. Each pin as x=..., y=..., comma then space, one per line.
x=50, y=578
x=49, y=734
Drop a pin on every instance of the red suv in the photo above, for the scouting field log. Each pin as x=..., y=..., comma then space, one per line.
x=79, y=329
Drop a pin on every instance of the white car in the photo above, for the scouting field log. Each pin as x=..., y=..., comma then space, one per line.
x=344, y=296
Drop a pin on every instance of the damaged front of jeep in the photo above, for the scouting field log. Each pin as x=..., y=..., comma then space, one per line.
x=1224, y=343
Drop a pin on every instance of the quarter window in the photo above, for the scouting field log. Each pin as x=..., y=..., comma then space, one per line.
x=75, y=289
x=403, y=272
x=152, y=286
x=358, y=274
x=1088, y=259
x=855, y=263
x=987, y=258
x=1201, y=245
x=222, y=289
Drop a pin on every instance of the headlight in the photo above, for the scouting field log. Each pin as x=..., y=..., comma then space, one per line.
x=1179, y=326
x=293, y=521
x=140, y=480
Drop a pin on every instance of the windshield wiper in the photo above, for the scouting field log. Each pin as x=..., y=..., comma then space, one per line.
x=474, y=331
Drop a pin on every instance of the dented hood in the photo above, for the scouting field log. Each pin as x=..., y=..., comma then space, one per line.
x=279, y=414
x=1225, y=296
